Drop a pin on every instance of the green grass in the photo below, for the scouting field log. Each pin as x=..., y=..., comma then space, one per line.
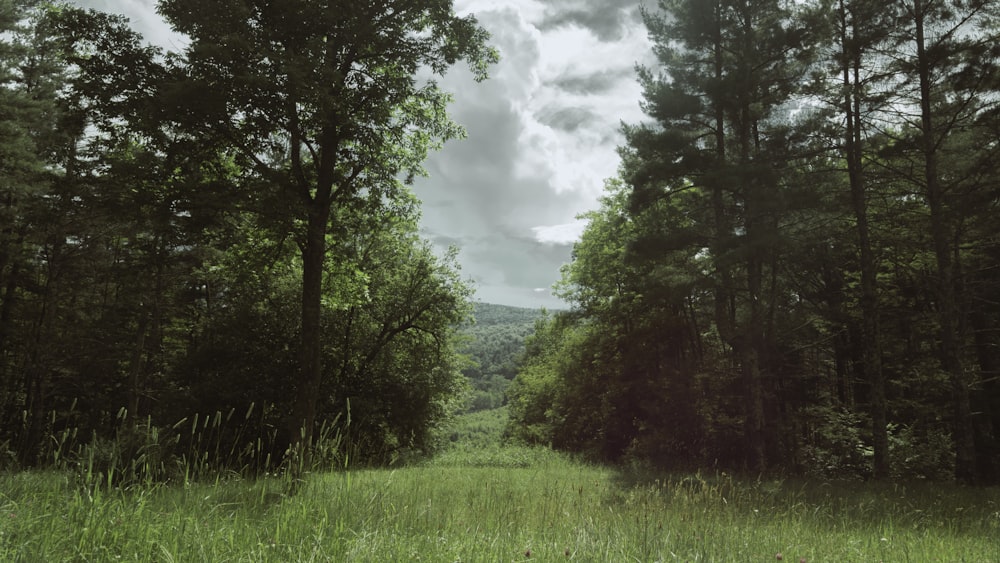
x=478, y=500
x=480, y=429
x=496, y=506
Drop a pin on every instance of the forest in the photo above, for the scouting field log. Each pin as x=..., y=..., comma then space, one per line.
x=494, y=344
x=215, y=254
x=797, y=268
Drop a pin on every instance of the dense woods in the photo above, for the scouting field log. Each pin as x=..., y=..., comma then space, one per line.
x=225, y=234
x=797, y=269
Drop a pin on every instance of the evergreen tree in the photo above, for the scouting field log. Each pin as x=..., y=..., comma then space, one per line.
x=729, y=70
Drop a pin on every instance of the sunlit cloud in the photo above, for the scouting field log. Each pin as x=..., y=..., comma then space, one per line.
x=567, y=233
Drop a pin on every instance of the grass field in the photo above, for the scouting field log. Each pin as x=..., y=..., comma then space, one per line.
x=496, y=504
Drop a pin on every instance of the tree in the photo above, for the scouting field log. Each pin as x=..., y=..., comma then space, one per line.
x=122, y=216
x=320, y=99
x=862, y=32
x=800, y=246
x=947, y=88
x=27, y=94
x=730, y=68
x=389, y=317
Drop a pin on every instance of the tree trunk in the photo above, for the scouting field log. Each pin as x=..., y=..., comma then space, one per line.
x=948, y=310
x=871, y=338
x=136, y=369
x=8, y=303
x=36, y=370
x=8, y=300
x=988, y=424
x=311, y=374
x=751, y=333
x=740, y=340
x=725, y=307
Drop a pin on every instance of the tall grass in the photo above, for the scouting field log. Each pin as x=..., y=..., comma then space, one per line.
x=195, y=448
x=166, y=496
x=476, y=430
x=543, y=507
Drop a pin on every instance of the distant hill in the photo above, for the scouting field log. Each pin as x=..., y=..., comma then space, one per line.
x=495, y=342
x=489, y=314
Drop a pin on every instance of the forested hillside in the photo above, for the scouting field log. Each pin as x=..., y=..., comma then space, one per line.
x=495, y=343
x=798, y=268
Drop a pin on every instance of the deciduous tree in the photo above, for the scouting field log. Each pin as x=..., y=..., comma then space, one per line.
x=322, y=100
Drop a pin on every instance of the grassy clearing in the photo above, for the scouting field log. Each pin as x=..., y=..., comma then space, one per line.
x=480, y=429
x=496, y=507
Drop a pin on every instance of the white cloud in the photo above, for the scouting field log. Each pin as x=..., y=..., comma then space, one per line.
x=542, y=137
x=532, y=10
x=567, y=233
x=143, y=19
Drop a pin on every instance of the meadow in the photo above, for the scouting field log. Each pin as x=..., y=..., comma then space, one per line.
x=486, y=502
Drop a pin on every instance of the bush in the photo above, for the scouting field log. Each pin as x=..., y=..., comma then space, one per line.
x=497, y=456
x=924, y=453
x=835, y=446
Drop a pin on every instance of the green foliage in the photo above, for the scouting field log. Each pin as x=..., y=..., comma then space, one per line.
x=922, y=451
x=617, y=377
x=497, y=456
x=808, y=290
x=247, y=83
x=781, y=278
x=477, y=429
x=837, y=448
x=573, y=394
x=152, y=262
x=391, y=354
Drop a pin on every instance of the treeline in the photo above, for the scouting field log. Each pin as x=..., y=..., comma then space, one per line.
x=223, y=234
x=798, y=268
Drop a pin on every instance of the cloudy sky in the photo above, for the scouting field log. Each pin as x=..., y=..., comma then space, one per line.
x=542, y=133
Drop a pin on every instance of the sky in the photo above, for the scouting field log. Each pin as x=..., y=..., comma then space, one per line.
x=541, y=136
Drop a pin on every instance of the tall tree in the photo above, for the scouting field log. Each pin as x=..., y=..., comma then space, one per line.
x=940, y=35
x=321, y=100
x=729, y=68
x=862, y=34
x=27, y=98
